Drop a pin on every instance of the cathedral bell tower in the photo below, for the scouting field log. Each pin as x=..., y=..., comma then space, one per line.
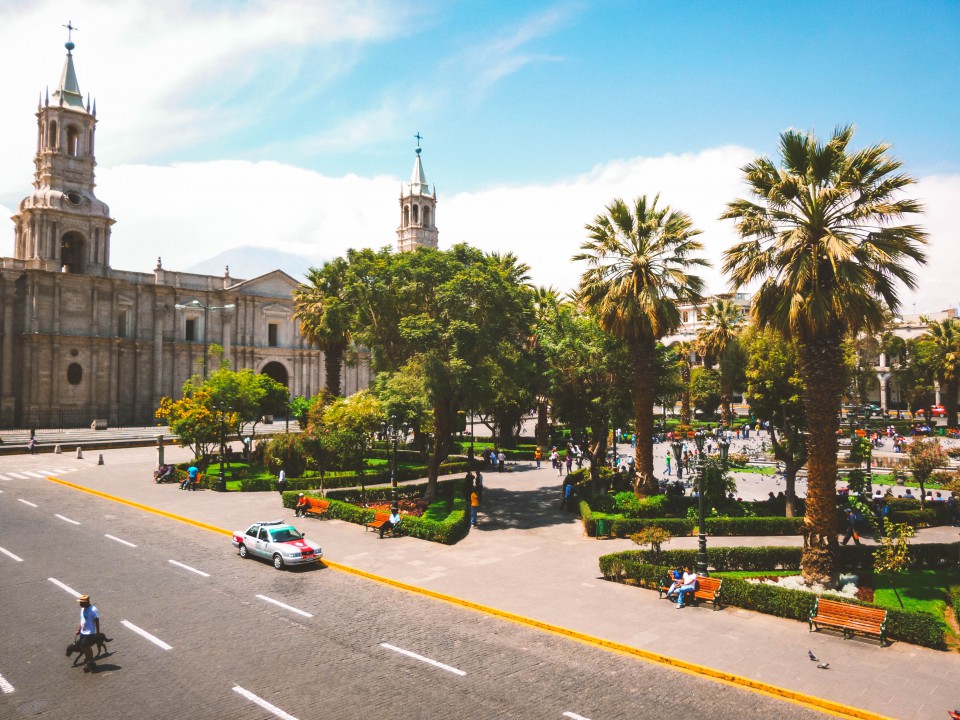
x=62, y=226
x=417, y=210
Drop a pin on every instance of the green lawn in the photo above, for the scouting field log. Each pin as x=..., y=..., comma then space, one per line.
x=919, y=589
x=756, y=470
x=438, y=511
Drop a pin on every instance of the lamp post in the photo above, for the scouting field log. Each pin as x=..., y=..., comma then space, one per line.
x=392, y=432
x=700, y=438
x=677, y=448
x=221, y=481
x=472, y=455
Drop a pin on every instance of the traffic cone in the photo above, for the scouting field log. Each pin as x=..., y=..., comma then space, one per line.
x=100, y=461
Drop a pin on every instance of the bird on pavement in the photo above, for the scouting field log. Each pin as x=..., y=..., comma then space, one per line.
x=823, y=666
x=812, y=656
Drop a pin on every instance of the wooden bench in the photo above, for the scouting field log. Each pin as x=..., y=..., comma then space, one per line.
x=380, y=519
x=708, y=589
x=849, y=618
x=316, y=507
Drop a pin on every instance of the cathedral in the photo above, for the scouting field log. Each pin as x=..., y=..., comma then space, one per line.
x=81, y=341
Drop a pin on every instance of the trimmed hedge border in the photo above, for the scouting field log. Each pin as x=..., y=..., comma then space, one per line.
x=352, y=480
x=917, y=628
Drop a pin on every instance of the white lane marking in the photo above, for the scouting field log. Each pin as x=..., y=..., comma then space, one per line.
x=284, y=605
x=18, y=476
x=263, y=703
x=574, y=716
x=66, y=519
x=187, y=567
x=11, y=555
x=34, y=475
x=440, y=665
x=5, y=686
x=4, y=477
x=65, y=587
x=143, y=633
x=119, y=540
x=26, y=502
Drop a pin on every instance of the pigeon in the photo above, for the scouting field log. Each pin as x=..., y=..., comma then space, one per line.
x=823, y=666
x=812, y=656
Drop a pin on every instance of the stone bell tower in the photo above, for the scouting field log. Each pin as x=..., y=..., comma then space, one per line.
x=62, y=226
x=418, y=208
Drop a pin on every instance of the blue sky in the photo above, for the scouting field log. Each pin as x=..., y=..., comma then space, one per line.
x=289, y=125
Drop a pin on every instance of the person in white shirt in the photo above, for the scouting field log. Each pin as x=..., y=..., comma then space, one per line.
x=689, y=585
x=89, y=626
x=392, y=523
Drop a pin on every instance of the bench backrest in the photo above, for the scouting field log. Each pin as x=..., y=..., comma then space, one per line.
x=318, y=503
x=834, y=607
x=377, y=517
x=708, y=584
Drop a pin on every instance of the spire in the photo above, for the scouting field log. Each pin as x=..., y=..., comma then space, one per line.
x=69, y=91
x=418, y=180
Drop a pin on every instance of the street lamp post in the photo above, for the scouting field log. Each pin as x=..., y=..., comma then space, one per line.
x=700, y=439
x=392, y=432
x=677, y=448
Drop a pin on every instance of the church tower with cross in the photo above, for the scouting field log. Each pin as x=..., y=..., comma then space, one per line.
x=62, y=226
x=418, y=210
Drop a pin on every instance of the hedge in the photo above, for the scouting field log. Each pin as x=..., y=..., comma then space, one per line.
x=352, y=480
x=918, y=628
x=753, y=525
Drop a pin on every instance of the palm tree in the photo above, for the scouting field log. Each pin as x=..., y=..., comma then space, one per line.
x=325, y=316
x=683, y=350
x=944, y=338
x=820, y=234
x=638, y=259
x=721, y=320
x=546, y=307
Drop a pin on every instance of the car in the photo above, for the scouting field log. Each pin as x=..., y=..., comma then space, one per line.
x=938, y=411
x=277, y=541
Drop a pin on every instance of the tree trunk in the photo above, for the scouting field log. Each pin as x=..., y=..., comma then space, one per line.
x=443, y=412
x=644, y=376
x=726, y=392
x=333, y=364
x=950, y=402
x=598, y=453
x=822, y=370
x=542, y=420
x=685, y=394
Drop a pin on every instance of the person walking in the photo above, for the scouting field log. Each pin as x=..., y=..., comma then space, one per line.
x=32, y=446
x=474, y=506
x=89, y=625
x=478, y=486
x=538, y=456
x=851, y=528
x=501, y=461
x=282, y=481
x=667, y=471
x=569, y=461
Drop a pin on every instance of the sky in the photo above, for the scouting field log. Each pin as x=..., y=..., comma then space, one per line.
x=289, y=126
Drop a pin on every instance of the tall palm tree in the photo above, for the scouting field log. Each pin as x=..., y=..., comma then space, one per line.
x=944, y=337
x=638, y=257
x=325, y=316
x=820, y=234
x=546, y=308
x=683, y=349
x=722, y=320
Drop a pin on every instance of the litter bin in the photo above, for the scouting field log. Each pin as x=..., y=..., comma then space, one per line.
x=603, y=527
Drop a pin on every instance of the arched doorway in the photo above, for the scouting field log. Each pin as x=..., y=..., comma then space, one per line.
x=277, y=372
x=71, y=252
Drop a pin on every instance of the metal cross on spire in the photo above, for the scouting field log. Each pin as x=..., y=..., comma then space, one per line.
x=70, y=28
x=419, y=137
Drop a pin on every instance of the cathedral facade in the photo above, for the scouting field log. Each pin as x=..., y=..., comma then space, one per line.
x=82, y=341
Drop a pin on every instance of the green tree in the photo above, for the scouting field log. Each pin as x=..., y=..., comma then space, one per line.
x=638, y=260
x=718, y=335
x=351, y=423
x=942, y=339
x=196, y=420
x=775, y=393
x=705, y=390
x=822, y=236
x=683, y=350
x=326, y=315
x=546, y=303
x=925, y=456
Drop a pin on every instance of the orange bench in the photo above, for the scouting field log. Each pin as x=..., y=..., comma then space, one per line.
x=379, y=520
x=708, y=589
x=849, y=618
x=317, y=507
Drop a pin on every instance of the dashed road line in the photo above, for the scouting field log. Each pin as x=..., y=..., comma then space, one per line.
x=4, y=477
x=421, y=658
x=574, y=716
x=187, y=567
x=263, y=703
x=130, y=544
x=143, y=633
x=65, y=587
x=66, y=519
x=6, y=687
x=11, y=555
x=26, y=502
x=285, y=606
x=18, y=476
x=32, y=474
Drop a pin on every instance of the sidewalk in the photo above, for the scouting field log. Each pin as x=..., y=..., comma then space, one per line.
x=529, y=558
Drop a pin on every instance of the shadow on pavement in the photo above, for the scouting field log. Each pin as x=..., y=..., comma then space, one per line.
x=522, y=509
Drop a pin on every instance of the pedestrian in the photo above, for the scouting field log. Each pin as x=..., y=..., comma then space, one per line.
x=89, y=625
x=668, y=471
x=282, y=481
x=501, y=460
x=569, y=462
x=554, y=458
x=952, y=509
x=566, y=494
x=478, y=486
x=851, y=528
x=538, y=456
x=474, y=506
x=32, y=446
x=190, y=480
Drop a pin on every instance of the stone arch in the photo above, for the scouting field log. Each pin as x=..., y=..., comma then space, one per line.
x=406, y=215
x=72, y=249
x=416, y=214
x=426, y=216
x=52, y=135
x=278, y=371
x=73, y=141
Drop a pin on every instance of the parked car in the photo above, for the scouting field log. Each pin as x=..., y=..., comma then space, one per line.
x=278, y=542
x=938, y=411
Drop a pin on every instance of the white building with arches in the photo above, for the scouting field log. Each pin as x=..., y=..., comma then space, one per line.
x=418, y=211
x=81, y=340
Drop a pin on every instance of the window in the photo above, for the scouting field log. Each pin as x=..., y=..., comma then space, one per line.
x=52, y=135
x=122, y=323
x=74, y=374
x=190, y=330
x=416, y=214
x=272, y=334
x=73, y=141
x=426, y=217
x=406, y=215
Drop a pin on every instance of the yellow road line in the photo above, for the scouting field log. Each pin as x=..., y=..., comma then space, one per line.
x=757, y=686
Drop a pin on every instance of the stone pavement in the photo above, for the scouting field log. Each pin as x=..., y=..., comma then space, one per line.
x=529, y=558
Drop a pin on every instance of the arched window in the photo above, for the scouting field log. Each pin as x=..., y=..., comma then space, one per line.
x=72, y=252
x=406, y=215
x=73, y=141
x=426, y=217
x=416, y=214
x=52, y=135
x=74, y=374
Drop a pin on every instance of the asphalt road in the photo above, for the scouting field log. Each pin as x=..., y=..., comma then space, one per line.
x=337, y=646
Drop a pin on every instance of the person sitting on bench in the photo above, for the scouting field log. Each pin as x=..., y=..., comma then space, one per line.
x=391, y=523
x=302, y=506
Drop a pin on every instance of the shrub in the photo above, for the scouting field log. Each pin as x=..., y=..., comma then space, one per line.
x=915, y=518
x=286, y=451
x=738, y=459
x=753, y=525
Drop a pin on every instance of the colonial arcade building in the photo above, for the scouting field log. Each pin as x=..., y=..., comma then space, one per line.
x=80, y=340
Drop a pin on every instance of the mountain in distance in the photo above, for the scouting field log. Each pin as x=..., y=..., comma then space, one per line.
x=248, y=262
